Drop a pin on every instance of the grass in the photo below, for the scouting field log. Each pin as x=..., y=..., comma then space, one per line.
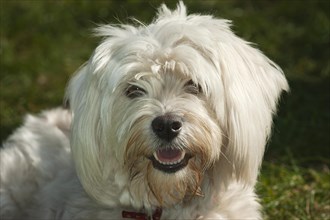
x=42, y=43
x=292, y=192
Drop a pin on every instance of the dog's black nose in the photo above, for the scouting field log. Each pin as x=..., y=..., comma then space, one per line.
x=167, y=127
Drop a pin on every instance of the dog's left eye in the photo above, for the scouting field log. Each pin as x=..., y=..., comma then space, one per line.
x=192, y=88
x=134, y=91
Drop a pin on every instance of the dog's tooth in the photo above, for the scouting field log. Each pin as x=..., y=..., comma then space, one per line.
x=156, y=157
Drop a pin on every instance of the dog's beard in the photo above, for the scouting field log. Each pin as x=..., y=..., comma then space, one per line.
x=168, y=185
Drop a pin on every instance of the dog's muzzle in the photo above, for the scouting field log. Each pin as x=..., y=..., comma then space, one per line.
x=168, y=159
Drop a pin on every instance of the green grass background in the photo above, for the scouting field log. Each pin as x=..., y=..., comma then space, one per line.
x=42, y=43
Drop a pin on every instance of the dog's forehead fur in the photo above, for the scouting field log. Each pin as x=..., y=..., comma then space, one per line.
x=174, y=43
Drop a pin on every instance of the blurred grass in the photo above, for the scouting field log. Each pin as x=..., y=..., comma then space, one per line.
x=42, y=43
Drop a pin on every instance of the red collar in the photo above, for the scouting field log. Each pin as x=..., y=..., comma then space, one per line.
x=142, y=216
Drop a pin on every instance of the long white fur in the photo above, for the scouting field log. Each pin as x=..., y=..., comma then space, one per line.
x=233, y=117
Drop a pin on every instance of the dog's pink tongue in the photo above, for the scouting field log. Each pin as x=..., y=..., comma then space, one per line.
x=169, y=155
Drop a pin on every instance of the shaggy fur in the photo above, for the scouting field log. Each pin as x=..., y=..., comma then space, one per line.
x=216, y=93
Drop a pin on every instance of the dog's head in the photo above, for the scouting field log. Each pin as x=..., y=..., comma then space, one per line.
x=159, y=108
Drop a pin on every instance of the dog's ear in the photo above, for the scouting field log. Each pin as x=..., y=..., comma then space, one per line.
x=83, y=95
x=252, y=85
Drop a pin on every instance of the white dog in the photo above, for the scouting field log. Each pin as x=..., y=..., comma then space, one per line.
x=169, y=121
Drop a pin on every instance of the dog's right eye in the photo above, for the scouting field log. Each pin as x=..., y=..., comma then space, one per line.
x=192, y=88
x=134, y=91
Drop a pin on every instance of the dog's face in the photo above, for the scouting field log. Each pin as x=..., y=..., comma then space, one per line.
x=167, y=132
x=161, y=109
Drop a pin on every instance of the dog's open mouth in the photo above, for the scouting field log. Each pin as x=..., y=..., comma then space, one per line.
x=169, y=160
